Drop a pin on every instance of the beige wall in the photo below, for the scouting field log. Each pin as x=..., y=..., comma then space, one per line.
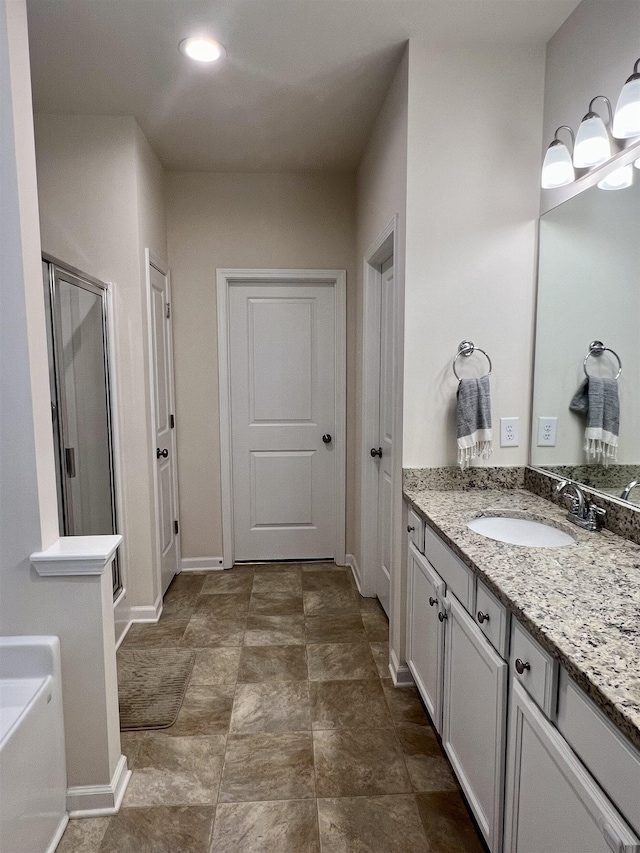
x=254, y=221
x=473, y=175
x=101, y=204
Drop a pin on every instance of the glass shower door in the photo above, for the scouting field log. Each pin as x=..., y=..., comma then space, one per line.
x=82, y=416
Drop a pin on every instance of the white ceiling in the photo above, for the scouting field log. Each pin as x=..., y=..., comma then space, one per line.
x=300, y=88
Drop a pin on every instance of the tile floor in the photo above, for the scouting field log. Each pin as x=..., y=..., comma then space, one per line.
x=291, y=737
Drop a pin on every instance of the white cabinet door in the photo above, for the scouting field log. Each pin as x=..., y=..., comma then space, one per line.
x=474, y=718
x=425, y=653
x=552, y=803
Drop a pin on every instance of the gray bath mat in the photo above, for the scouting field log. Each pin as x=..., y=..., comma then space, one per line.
x=151, y=686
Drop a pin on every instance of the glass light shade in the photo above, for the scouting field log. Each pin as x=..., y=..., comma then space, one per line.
x=618, y=180
x=202, y=49
x=557, y=169
x=626, y=120
x=593, y=146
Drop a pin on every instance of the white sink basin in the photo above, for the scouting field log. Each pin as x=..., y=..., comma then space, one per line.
x=521, y=531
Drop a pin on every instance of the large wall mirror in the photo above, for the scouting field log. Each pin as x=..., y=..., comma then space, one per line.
x=589, y=291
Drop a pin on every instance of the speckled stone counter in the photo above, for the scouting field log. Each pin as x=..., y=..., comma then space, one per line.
x=581, y=602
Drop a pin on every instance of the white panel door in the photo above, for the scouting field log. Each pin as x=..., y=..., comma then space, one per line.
x=425, y=652
x=552, y=803
x=474, y=718
x=385, y=437
x=282, y=384
x=162, y=394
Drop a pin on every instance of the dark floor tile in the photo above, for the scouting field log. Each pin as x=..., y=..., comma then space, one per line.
x=202, y=633
x=222, y=606
x=273, y=663
x=376, y=626
x=165, y=634
x=130, y=743
x=268, y=767
x=348, y=705
x=289, y=582
x=276, y=604
x=274, y=827
x=447, y=823
x=321, y=581
x=186, y=583
x=428, y=768
x=359, y=762
x=371, y=605
x=206, y=710
x=323, y=567
x=176, y=771
x=216, y=665
x=387, y=824
x=380, y=653
x=178, y=607
x=163, y=829
x=281, y=706
x=227, y=582
x=276, y=567
x=338, y=601
x=274, y=631
x=340, y=661
x=334, y=628
x=405, y=705
x=83, y=835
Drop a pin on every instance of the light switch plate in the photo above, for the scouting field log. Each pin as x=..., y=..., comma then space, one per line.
x=509, y=432
x=547, y=429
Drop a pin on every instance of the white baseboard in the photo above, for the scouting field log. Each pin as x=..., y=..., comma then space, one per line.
x=120, y=637
x=355, y=571
x=400, y=673
x=146, y=612
x=100, y=800
x=201, y=564
x=58, y=834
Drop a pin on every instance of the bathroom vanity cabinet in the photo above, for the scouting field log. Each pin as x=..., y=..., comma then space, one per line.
x=559, y=776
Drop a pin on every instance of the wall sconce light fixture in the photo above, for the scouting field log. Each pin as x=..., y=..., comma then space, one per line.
x=626, y=121
x=593, y=144
x=557, y=168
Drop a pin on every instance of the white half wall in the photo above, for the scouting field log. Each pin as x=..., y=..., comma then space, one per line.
x=250, y=221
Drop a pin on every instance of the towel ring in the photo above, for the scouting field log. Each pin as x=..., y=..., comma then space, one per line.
x=467, y=348
x=596, y=348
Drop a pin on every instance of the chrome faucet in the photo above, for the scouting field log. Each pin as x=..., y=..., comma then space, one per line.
x=628, y=489
x=586, y=514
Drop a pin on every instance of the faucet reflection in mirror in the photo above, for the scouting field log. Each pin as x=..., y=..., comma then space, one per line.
x=588, y=289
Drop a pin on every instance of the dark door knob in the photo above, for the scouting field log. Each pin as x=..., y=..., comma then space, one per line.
x=376, y=451
x=164, y=453
x=326, y=438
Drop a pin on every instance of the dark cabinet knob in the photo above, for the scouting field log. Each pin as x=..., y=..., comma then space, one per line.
x=161, y=453
x=521, y=666
x=432, y=600
x=482, y=617
x=442, y=616
x=326, y=438
x=410, y=528
x=376, y=451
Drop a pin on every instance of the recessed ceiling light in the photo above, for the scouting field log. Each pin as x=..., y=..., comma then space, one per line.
x=202, y=49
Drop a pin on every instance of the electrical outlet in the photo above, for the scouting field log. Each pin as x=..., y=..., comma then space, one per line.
x=509, y=432
x=547, y=429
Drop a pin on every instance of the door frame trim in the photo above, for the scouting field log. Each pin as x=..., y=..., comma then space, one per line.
x=152, y=260
x=225, y=278
x=385, y=244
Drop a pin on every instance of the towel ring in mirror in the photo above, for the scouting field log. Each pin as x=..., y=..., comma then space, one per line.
x=467, y=348
x=596, y=348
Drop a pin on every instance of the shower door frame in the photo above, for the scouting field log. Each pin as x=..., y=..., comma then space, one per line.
x=103, y=290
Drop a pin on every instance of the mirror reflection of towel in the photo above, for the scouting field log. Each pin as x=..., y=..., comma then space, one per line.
x=598, y=399
x=473, y=420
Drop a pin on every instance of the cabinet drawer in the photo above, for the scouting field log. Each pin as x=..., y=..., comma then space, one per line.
x=610, y=757
x=540, y=674
x=415, y=528
x=492, y=618
x=458, y=577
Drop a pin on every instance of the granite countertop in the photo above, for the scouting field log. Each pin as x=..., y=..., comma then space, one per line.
x=581, y=602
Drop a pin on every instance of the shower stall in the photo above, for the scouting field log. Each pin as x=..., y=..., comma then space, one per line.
x=77, y=339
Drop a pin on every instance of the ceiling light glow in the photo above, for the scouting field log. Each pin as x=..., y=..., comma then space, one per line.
x=202, y=49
